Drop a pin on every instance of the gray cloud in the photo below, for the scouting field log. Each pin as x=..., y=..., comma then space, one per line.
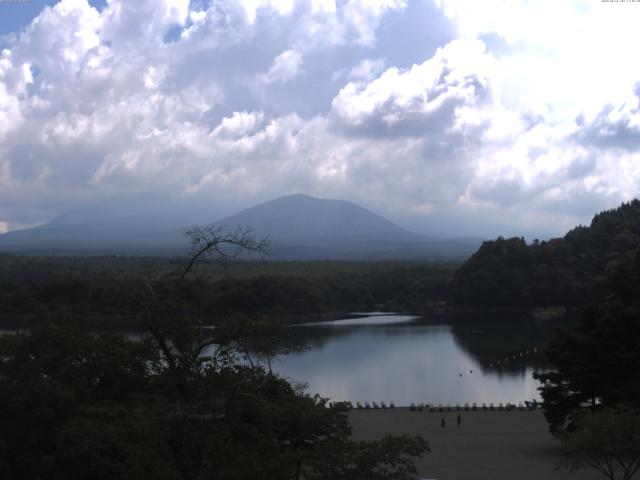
x=614, y=127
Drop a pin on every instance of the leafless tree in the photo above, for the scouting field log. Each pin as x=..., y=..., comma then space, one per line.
x=156, y=297
x=211, y=242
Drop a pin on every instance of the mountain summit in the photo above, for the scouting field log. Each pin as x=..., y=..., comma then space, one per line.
x=301, y=218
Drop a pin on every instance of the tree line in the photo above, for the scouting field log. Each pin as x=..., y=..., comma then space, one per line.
x=33, y=288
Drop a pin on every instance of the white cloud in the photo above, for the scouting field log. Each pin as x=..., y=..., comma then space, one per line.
x=455, y=79
x=283, y=7
x=285, y=66
x=528, y=111
x=238, y=125
x=364, y=16
x=366, y=70
x=570, y=56
x=132, y=25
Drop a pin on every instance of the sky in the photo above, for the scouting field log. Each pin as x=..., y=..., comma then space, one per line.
x=451, y=117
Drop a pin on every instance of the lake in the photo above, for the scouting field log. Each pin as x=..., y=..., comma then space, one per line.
x=403, y=358
x=406, y=359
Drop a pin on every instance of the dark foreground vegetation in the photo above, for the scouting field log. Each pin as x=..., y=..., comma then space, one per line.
x=592, y=399
x=181, y=402
x=80, y=406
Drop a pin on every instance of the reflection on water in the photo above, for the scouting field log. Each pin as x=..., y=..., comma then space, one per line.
x=7, y=332
x=404, y=359
x=371, y=319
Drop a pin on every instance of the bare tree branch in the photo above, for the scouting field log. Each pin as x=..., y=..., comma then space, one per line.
x=217, y=242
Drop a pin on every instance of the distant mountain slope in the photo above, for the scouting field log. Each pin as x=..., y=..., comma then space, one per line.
x=113, y=234
x=308, y=220
x=300, y=228
x=574, y=270
x=304, y=227
x=122, y=224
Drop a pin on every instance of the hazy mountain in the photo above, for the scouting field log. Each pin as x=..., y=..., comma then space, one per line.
x=107, y=234
x=126, y=224
x=304, y=227
x=309, y=220
x=299, y=227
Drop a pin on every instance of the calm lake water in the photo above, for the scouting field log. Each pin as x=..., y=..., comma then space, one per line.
x=404, y=359
x=407, y=359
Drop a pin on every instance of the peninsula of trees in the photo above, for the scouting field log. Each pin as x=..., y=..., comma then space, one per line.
x=575, y=270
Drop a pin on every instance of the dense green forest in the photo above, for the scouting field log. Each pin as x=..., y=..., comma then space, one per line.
x=37, y=287
x=575, y=270
x=591, y=398
x=598, y=361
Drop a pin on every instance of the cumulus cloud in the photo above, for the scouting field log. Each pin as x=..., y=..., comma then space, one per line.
x=366, y=70
x=424, y=100
x=285, y=66
x=241, y=101
x=614, y=127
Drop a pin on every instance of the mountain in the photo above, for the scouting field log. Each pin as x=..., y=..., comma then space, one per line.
x=120, y=234
x=132, y=224
x=304, y=227
x=301, y=219
x=299, y=227
x=578, y=269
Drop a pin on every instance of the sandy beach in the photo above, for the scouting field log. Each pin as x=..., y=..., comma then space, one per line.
x=487, y=446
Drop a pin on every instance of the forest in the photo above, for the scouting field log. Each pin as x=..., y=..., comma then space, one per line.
x=32, y=288
x=575, y=270
x=579, y=269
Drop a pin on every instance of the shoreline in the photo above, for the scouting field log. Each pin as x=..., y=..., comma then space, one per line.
x=498, y=445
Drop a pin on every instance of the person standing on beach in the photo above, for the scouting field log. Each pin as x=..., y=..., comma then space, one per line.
x=442, y=423
x=459, y=420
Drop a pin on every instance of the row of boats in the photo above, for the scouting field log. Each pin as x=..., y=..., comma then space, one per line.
x=516, y=356
x=374, y=405
x=467, y=407
x=473, y=407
